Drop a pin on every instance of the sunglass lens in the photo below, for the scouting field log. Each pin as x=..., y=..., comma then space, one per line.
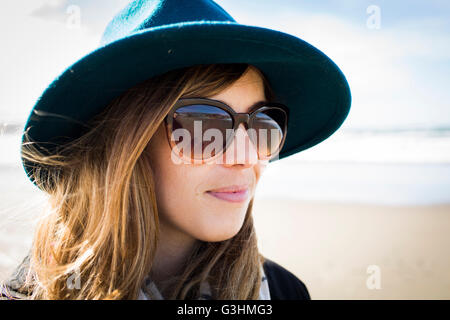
x=268, y=125
x=206, y=126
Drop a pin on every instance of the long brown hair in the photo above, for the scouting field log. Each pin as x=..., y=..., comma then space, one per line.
x=102, y=221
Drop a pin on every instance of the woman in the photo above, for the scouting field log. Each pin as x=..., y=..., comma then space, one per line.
x=150, y=172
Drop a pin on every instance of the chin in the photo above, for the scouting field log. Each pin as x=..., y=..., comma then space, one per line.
x=221, y=226
x=217, y=235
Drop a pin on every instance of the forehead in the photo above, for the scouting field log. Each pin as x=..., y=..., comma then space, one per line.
x=243, y=93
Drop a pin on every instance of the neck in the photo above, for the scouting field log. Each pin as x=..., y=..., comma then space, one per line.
x=174, y=248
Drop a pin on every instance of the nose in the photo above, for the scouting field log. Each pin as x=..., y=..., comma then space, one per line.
x=241, y=150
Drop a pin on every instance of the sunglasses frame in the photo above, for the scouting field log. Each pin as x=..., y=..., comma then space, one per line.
x=237, y=118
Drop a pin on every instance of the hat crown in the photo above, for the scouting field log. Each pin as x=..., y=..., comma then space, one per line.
x=139, y=15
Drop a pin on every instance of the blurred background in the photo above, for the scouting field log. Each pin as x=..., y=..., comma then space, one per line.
x=363, y=215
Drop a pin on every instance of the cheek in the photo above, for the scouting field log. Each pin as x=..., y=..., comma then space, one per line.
x=261, y=167
x=175, y=192
x=172, y=182
x=199, y=215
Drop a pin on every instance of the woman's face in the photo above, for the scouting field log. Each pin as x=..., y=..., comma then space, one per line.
x=186, y=204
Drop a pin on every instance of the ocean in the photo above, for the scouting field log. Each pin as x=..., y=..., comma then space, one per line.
x=383, y=166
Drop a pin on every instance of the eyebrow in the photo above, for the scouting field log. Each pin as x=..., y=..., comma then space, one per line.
x=253, y=106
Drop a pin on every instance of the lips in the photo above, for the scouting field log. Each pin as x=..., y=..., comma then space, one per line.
x=232, y=188
x=234, y=193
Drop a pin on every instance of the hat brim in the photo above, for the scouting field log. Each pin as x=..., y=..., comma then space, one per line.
x=303, y=78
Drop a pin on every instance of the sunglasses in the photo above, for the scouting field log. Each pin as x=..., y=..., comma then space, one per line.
x=201, y=129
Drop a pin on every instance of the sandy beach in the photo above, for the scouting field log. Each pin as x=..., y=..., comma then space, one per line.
x=330, y=247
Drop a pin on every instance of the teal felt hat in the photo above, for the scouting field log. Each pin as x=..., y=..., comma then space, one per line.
x=151, y=37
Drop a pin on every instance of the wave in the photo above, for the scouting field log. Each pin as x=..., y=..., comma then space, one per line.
x=395, y=145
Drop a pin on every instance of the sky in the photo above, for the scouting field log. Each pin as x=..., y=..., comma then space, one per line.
x=394, y=54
